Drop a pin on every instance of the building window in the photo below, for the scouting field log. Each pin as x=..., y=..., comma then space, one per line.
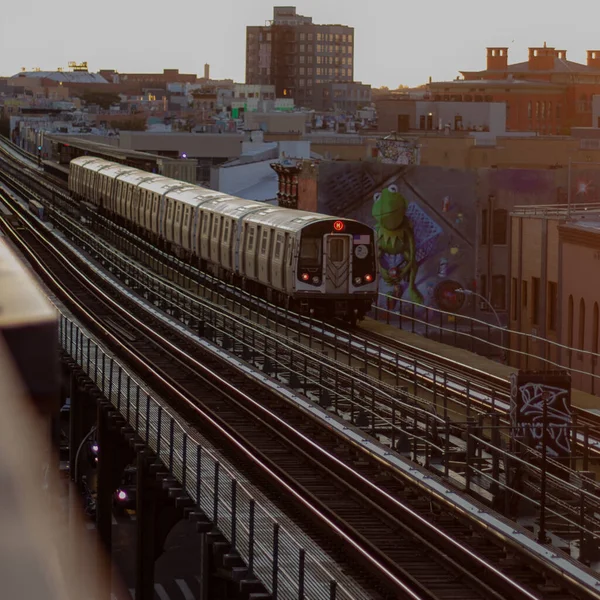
x=570, y=323
x=310, y=48
x=483, y=286
x=535, y=300
x=558, y=110
x=529, y=110
x=500, y=226
x=302, y=48
x=301, y=83
x=524, y=295
x=581, y=324
x=301, y=59
x=499, y=292
x=350, y=38
x=301, y=71
x=309, y=71
x=537, y=109
x=302, y=37
x=543, y=107
x=484, y=227
x=552, y=305
x=514, y=298
x=318, y=70
x=549, y=111
x=595, y=329
x=310, y=37
x=319, y=38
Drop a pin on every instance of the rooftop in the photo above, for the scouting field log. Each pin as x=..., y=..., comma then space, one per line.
x=63, y=76
x=561, y=65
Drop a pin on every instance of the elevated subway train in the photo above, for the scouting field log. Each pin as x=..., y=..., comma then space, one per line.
x=302, y=260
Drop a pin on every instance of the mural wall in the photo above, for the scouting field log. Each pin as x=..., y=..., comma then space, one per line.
x=425, y=220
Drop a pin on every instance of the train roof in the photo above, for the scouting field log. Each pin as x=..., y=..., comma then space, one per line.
x=230, y=206
x=82, y=161
x=161, y=185
x=188, y=195
x=136, y=177
x=285, y=218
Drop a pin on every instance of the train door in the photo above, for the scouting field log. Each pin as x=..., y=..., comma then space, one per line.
x=337, y=263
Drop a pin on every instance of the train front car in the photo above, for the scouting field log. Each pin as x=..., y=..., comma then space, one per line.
x=336, y=272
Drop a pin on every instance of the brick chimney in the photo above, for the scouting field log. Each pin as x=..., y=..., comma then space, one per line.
x=541, y=59
x=562, y=54
x=593, y=58
x=497, y=59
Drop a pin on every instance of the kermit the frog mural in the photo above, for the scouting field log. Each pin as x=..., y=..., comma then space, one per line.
x=396, y=239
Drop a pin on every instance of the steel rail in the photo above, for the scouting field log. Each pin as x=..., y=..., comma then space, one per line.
x=225, y=384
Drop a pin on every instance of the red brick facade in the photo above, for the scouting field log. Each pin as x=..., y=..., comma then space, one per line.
x=547, y=93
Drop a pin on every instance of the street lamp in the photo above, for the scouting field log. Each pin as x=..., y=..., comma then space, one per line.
x=472, y=293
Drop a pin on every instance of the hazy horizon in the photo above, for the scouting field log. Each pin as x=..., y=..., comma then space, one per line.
x=393, y=45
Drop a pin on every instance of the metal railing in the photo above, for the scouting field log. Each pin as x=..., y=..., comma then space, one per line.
x=487, y=339
x=269, y=547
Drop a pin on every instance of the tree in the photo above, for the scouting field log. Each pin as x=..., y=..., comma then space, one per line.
x=402, y=87
x=131, y=124
x=102, y=99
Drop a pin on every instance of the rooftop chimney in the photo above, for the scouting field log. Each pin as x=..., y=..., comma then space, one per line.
x=542, y=59
x=562, y=54
x=497, y=59
x=206, y=71
x=593, y=58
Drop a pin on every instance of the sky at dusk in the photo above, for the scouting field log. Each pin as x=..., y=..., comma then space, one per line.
x=396, y=42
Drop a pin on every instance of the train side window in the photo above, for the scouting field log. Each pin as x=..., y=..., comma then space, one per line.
x=251, y=239
x=204, y=224
x=226, y=232
x=278, y=246
x=186, y=220
x=263, y=246
x=215, y=230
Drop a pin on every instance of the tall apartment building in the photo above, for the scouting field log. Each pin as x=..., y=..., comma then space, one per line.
x=294, y=54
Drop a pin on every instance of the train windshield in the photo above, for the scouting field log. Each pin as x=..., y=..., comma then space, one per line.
x=311, y=251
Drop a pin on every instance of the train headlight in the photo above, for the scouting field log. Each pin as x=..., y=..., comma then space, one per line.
x=357, y=280
x=305, y=276
x=368, y=278
x=122, y=495
x=316, y=280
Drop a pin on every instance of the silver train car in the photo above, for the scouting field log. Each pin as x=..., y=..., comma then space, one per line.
x=301, y=260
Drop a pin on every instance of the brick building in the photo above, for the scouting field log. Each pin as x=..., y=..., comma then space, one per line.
x=546, y=93
x=294, y=54
x=554, y=293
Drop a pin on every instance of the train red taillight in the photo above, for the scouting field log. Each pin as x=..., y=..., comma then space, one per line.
x=368, y=278
x=305, y=276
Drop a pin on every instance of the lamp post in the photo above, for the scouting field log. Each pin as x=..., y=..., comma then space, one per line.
x=472, y=293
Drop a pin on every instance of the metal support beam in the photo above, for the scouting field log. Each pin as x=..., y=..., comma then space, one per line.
x=105, y=469
x=76, y=429
x=146, y=529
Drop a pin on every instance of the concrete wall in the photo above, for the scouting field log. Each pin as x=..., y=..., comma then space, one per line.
x=254, y=181
x=580, y=258
x=195, y=145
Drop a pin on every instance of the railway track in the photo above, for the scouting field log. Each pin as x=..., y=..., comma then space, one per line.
x=465, y=385
x=353, y=345
x=406, y=545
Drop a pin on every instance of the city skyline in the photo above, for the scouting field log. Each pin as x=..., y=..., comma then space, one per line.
x=386, y=51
